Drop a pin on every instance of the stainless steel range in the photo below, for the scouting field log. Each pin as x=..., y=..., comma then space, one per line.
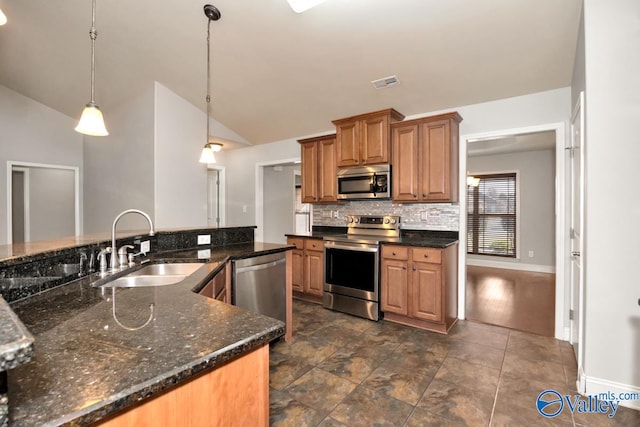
x=352, y=265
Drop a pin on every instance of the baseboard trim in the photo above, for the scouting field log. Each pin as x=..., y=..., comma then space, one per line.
x=595, y=386
x=512, y=265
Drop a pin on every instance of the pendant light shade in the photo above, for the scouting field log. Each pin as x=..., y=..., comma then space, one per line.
x=207, y=156
x=91, y=121
x=3, y=18
x=300, y=6
x=208, y=152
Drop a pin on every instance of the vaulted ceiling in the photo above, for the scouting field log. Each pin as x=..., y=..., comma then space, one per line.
x=277, y=74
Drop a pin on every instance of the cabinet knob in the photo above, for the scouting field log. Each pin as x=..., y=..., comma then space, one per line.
x=415, y=196
x=426, y=255
x=414, y=269
x=404, y=268
x=393, y=253
x=357, y=161
x=424, y=195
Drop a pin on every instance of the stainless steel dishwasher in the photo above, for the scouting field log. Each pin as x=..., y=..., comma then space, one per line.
x=258, y=284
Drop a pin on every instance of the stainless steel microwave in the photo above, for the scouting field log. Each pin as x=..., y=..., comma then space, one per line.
x=367, y=182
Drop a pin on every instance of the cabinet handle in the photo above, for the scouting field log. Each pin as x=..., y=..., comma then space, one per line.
x=424, y=195
x=393, y=253
x=357, y=161
x=414, y=269
x=415, y=195
x=426, y=255
x=404, y=268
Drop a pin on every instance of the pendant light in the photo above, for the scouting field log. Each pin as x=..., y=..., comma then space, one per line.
x=91, y=121
x=207, y=156
x=3, y=18
x=300, y=6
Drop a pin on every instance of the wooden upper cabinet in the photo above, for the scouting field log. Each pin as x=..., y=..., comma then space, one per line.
x=425, y=159
x=319, y=170
x=365, y=139
x=404, y=182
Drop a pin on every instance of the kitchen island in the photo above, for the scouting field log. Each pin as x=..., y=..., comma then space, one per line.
x=101, y=354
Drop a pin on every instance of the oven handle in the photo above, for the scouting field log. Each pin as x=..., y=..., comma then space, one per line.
x=358, y=248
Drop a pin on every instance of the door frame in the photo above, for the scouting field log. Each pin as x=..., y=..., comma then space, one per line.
x=561, y=329
x=578, y=111
x=259, y=233
x=222, y=195
x=76, y=190
x=26, y=203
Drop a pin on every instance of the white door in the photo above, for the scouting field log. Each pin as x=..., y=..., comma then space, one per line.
x=576, y=162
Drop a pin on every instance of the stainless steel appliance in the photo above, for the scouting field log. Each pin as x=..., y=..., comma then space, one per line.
x=259, y=283
x=367, y=182
x=352, y=265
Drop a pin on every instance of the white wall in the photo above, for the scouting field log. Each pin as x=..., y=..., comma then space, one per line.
x=34, y=133
x=119, y=167
x=612, y=352
x=536, y=176
x=279, y=203
x=180, y=179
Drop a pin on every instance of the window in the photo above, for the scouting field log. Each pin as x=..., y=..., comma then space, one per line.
x=491, y=215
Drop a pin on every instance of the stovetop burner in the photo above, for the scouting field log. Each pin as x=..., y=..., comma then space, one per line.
x=371, y=229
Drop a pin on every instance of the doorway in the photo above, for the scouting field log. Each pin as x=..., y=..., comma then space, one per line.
x=216, y=196
x=558, y=260
x=43, y=202
x=275, y=199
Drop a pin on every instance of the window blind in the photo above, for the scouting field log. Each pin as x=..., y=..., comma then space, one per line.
x=491, y=215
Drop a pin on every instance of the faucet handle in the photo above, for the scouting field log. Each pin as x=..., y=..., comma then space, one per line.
x=123, y=249
x=102, y=258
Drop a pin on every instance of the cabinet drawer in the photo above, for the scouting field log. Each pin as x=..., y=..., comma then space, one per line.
x=395, y=252
x=298, y=241
x=314, y=244
x=427, y=255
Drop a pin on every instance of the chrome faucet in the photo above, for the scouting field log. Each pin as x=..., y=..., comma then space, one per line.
x=114, y=257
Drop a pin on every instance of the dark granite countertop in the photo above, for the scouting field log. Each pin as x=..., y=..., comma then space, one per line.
x=16, y=343
x=94, y=358
x=423, y=238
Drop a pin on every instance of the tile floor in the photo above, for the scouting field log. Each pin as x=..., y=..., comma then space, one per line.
x=341, y=370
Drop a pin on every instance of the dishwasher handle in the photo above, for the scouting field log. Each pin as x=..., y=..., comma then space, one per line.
x=260, y=266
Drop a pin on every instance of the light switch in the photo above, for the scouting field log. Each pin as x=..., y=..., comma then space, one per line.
x=204, y=239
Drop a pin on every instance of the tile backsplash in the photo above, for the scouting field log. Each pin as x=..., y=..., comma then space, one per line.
x=437, y=216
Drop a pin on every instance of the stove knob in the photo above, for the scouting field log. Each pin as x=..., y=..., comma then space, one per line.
x=350, y=219
x=386, y=220
x=357, y=220
x=393, y=220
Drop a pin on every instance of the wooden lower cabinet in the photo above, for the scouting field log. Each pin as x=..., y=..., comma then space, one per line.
x=235, y=394
x=219, y=287
x=308, y=268
x=419, y=286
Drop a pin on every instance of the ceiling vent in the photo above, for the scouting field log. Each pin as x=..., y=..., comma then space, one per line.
x=385, y=82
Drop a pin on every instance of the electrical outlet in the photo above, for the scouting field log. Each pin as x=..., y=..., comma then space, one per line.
x=335, y=214
x=423, y=215
x=204, y=239
x=530, y=254
x=145, y=246
x=326, y=214
x=244, y=208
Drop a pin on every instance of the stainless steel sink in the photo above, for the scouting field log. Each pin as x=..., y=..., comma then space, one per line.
x=167, y=269
x=155, y=275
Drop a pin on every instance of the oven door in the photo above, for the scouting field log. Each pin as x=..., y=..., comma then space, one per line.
x=352, y=269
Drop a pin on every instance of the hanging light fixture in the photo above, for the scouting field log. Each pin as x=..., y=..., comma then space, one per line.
x=472, y=181
x=213, y=14
x=91, y=122
x=3, y=18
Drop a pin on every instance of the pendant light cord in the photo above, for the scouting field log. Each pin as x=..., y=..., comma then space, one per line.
x=93, y=34
x=208, y=77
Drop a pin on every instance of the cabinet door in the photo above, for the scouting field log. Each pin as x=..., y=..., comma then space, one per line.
x=309, y=172
x=375, y=140
x=426, y=292
x=405, y=163
x=297, y=266
x=327, y=169
x=435, y=161
x=313, y=271
x=348, y=144
x=394, y=286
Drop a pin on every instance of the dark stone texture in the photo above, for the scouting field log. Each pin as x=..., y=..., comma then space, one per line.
x=93, y=356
